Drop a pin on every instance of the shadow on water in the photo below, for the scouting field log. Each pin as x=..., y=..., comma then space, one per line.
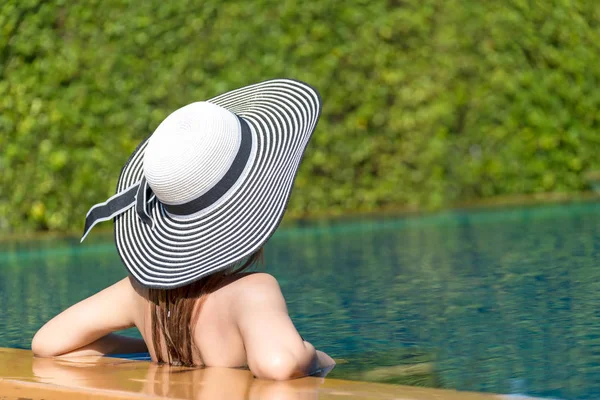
x=503, y=301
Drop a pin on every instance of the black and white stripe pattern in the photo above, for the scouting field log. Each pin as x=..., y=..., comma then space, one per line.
x=281, y=114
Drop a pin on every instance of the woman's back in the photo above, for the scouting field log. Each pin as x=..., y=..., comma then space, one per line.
x=216, y=334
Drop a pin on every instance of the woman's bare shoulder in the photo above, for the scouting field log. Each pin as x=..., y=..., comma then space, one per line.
x=256, y=288
x=258, y=278
x=134, y=289
x=253, y=280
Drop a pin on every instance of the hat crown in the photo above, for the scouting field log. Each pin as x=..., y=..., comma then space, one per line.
x=190, y=151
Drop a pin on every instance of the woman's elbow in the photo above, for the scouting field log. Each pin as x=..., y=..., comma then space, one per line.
x=41, y=346
x=279, y=367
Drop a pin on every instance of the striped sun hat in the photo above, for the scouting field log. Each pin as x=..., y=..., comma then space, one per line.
x=211, y=184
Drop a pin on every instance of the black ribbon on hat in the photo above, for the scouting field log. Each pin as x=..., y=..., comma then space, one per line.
x=140, y=194
x=136, y=195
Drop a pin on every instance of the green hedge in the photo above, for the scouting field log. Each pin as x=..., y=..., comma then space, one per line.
x=426, y=102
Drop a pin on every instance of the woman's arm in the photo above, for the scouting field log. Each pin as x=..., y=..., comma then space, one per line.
x=86, y=327
x=274, y=348
x=109, y=344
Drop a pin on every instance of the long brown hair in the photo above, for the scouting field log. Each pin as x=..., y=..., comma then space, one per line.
x=174, y=313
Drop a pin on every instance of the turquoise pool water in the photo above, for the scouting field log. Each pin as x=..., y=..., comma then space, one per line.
x=502, y=301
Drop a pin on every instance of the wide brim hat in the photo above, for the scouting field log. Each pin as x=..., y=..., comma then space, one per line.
x=210, y=186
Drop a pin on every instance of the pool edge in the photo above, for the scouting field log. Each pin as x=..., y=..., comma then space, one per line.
x=23, y=376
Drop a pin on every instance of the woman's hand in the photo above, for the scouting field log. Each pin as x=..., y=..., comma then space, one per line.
x=324, y=364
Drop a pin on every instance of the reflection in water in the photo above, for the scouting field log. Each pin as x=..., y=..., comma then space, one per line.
x=171, y=382
x=501, y=301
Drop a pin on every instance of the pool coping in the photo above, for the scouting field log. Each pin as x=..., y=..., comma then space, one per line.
x=23, y=376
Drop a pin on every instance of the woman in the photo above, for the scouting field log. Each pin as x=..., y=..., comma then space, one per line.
x=195, y=203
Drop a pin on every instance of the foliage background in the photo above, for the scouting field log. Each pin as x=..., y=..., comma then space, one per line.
x=426, y=102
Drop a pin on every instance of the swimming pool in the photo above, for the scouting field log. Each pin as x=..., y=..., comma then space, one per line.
x=503, y=301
